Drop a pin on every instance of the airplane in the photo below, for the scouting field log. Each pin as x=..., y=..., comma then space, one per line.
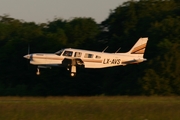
x=72, y=58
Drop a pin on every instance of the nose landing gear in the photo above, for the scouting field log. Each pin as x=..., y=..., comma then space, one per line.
x=38, y=71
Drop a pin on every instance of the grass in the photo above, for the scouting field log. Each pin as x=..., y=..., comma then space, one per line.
x=90, y=108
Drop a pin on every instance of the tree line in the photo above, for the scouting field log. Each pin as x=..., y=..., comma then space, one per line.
x=159, y=20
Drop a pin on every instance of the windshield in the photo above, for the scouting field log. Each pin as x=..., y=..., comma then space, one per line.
x=59, y=52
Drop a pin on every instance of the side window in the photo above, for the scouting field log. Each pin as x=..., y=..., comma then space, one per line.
x=77, y=54
x=98, y=57
x=87, y=55
x=67, y=53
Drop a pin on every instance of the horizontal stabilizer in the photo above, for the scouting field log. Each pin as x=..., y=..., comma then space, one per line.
x=133, y=61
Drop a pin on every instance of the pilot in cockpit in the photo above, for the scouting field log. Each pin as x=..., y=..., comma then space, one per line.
x=67, y=53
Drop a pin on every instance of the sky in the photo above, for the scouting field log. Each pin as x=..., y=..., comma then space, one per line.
x=42, y=11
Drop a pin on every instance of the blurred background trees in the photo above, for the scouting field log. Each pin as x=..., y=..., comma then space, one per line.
x=159, y=20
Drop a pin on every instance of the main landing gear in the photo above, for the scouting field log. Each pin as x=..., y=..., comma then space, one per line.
x=73, y=71
x=72, y=65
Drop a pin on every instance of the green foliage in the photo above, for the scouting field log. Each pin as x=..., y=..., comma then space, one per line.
x=81, y=31
x=163, y=77
x=159, y=20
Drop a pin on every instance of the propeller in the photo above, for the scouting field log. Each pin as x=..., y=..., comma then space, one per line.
x=28, y=56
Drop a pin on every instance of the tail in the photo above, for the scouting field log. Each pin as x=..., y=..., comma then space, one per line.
x=139, y=48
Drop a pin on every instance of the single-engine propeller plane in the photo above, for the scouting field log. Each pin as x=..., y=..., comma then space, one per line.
x=73, y=58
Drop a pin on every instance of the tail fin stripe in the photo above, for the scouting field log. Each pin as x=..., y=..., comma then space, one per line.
x=139, y=49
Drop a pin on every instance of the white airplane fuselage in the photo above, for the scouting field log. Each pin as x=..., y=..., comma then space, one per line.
x=99, y=60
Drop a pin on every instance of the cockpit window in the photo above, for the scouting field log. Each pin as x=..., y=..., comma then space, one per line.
x=59, y=52
x=67, y=53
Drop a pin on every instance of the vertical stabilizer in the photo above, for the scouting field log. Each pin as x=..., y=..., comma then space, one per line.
x=139, y=47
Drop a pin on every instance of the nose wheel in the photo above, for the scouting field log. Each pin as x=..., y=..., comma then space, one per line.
x=38, y=71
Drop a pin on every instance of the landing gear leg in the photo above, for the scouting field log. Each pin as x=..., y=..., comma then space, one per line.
x=38, y=71
x=73, y=71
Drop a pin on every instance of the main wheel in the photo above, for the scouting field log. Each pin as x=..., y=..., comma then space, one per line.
x=72, y=74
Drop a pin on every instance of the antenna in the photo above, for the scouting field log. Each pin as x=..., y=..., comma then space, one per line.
x=117, y=50
x=105, y=49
